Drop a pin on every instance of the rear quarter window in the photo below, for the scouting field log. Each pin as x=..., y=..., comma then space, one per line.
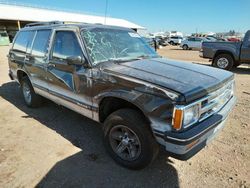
x=23, y=41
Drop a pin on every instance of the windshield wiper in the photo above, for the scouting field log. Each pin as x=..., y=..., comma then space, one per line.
x=147, y=56
x=122, y=60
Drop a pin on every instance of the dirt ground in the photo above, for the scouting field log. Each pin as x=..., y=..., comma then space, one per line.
x=54, y=147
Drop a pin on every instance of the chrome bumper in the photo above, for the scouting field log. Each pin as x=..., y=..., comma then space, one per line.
x=187, y=144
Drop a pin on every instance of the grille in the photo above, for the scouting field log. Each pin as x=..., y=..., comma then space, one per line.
x=216, y=100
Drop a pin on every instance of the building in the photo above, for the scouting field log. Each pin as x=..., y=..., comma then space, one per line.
x=13, y=17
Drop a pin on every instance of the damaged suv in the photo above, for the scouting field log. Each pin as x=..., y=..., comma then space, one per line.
x=111, y=75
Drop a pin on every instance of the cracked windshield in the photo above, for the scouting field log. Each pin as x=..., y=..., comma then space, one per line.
x=115, y=45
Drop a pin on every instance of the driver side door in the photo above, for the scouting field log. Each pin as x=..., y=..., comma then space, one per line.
x=69, y=85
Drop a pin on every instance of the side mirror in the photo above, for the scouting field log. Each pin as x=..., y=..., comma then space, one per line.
x=75, y=60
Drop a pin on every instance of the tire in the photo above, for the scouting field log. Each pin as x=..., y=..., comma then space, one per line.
x=223, y=61
x=171, y=43
x=137, y=148
x=185, y=47
x=31, y=99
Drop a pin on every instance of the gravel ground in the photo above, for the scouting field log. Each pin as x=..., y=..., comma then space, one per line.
x=54, y=147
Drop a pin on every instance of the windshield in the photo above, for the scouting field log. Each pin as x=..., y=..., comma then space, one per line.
x=115, y=44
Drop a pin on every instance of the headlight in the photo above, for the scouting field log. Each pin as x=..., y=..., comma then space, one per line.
x=185, y=116
x=190, y=115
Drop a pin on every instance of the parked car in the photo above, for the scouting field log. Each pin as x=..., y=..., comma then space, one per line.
x=192, y=43
x=161, y=41
x=233, y=39
x=112, y=76
x=175, y=40
x=152, y=42
x=226, y=55
x=4, y=38
x=213, y=38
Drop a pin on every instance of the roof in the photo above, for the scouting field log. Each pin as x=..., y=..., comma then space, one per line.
x=56, y=24
x=24, y=13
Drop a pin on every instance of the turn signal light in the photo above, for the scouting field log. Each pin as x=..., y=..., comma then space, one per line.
x=177, y=121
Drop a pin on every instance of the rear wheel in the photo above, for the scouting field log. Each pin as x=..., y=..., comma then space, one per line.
x=171, y=43
x=31, y=99
x=223, y=61
x=129, y=140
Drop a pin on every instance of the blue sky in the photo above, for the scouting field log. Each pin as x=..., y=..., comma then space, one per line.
x=158, y=15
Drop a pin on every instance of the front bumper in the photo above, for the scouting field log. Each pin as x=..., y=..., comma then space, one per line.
x=184, y=145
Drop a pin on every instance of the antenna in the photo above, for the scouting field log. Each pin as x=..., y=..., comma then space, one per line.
x=106, y=9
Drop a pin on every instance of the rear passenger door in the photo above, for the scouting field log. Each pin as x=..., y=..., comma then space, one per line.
x=191, y=42
x=198, y=42
x=37, y=58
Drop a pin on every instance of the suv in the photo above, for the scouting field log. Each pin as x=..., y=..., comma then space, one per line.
x=175, y=40
x=111, y=75
x=192, y=43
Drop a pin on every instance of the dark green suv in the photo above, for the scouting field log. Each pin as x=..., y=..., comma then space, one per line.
x=111, y=75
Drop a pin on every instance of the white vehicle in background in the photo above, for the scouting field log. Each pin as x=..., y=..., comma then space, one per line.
x=175, y=40
x=192, y=43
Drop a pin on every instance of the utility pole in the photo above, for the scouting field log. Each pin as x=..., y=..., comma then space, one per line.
x=106, y=9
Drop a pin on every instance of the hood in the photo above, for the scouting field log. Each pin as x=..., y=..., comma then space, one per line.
x=193, y=81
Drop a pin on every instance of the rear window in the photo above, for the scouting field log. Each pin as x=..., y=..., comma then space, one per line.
x=41, y=42
x=23, y=41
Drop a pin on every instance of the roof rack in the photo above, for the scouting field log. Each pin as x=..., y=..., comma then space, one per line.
x=43, y=23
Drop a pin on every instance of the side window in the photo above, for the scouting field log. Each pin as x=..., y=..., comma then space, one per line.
x=41, y=42
x=23, y=41
x=66, y=45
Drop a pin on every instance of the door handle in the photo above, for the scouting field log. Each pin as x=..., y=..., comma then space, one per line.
x=11, y=57
x=27, y=57
x=51, y=65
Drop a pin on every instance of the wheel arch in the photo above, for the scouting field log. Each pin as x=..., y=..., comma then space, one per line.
x=219, y=52
x=110, y=104
x=21, y=74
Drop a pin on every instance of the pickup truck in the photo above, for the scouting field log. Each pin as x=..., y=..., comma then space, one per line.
x=111, y=75
x=226, y=55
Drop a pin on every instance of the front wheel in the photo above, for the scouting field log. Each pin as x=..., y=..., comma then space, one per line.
x=223, y=61
x=129, y=140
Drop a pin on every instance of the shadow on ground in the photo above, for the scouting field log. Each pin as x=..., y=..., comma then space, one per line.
x=91, y=167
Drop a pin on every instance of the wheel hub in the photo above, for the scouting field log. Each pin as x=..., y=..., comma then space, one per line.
x=222, y=62
x=125, y=143
x=26, y=92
